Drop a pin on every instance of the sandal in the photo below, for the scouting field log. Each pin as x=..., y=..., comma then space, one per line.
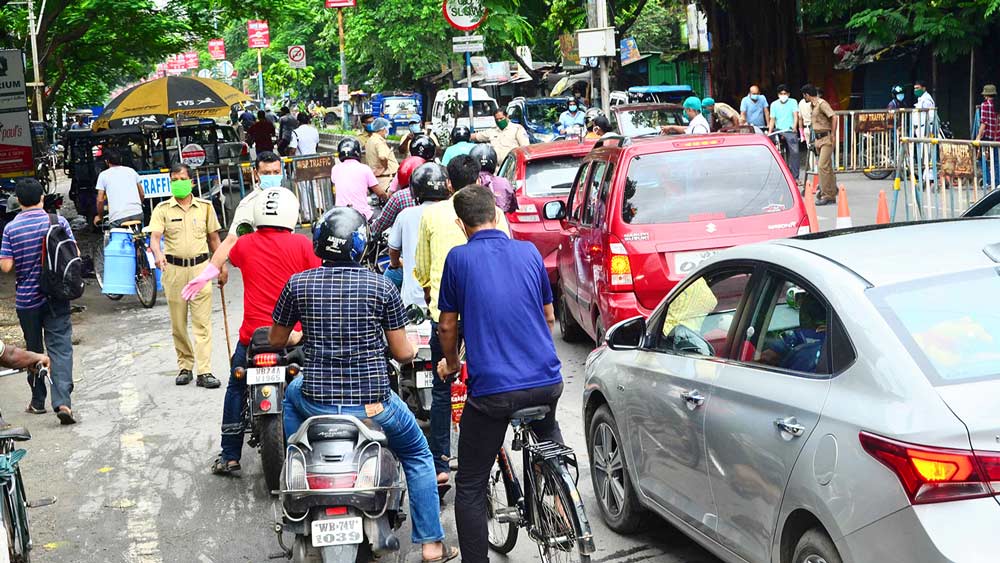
x=449, y=554
x=231, y=467
x=30, y=409
x=65, y=416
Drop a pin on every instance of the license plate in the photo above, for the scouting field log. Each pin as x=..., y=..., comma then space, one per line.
x=687, y=262
x=261, y=376
x=425, y=379
x=339, y=531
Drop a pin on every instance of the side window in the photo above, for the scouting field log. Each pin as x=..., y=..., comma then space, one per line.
x=515, y=114
x=790, y=329
x=579, y=194
x=593, y=191
x=698, y=320
x=508, y=168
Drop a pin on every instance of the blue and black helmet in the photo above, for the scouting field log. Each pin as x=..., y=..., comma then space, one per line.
x=341, y=235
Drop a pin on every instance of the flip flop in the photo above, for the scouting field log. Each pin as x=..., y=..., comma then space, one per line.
x=65, y=416
x=220, y=467
x=32, y=410
x=449, y=554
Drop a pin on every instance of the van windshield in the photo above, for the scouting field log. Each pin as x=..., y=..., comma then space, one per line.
x=395, y=106
x=704, y=184
x=545, y=112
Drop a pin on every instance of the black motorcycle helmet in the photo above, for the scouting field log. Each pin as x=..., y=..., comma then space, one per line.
x=341, y=235
x=429, y=183
x=423, y=147
x=349, y=148
x=460, y=133
x=486, y=156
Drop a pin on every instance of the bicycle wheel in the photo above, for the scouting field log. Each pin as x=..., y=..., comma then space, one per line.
x=554, y=519
x=145, y=278
x=502, y=535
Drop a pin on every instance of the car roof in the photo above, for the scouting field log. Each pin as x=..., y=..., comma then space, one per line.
x=659, y=89
x=646, y=106
x=554, y=149
x=887, y=254
x=683, y=142
x=531, y=101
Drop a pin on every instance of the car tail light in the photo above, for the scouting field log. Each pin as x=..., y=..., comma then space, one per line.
x=618, y=266
x=335, y=481
x=336, y=510
x=526, y=213
x=930, y=475
x=804, y=225
x=265, y=360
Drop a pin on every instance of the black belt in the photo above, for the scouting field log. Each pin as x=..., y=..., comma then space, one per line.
x=821, y=134
x=186, y=262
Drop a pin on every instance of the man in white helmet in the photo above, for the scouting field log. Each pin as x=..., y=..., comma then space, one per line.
x=266, y=257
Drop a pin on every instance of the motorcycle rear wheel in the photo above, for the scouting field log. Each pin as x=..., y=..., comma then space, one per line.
x=272, y=449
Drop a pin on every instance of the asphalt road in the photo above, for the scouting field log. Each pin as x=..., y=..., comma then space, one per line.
x=132, y=479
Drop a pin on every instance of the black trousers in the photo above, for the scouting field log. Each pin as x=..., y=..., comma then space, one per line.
x=482, y=430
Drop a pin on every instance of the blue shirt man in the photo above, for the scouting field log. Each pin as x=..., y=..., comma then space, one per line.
x=572, y=117
x=461, y=147
x=783, y=112
x=753, y=108
x=511, y=359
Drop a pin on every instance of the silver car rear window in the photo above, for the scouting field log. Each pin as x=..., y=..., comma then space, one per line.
x=950, y=323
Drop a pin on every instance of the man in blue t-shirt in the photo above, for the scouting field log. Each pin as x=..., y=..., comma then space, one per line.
x=501, y=290
x=785, y=121
x=753, y=108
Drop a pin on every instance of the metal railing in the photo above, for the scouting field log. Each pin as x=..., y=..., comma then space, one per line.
x=870, y=140
x=942, y=178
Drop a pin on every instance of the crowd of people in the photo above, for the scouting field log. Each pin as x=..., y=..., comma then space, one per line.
x=289, y=133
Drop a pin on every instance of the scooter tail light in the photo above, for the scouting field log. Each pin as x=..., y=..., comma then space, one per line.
x=336, y=510
x=367, y=474
x=265, y=360
x=930, y=474
x=331, y=481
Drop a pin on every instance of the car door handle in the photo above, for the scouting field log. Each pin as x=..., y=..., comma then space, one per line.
x=790, y=425
x=693, y=398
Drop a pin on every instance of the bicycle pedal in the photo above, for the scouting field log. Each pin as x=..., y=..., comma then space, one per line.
x=508, y=515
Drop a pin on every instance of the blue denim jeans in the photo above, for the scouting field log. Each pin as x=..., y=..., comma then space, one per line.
x=48, y=330
x=405, y=440
x=440, y=409
x=232, y=407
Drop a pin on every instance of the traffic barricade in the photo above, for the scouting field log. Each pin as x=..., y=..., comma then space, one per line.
x=944, y=177
x=310, y=179
x=222, y=184
x=868, y=141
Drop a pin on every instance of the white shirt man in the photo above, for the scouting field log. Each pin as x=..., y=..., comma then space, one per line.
x=305, y=139
x=403, y=239
x=119, y=186
x=923, y=121
x=698, y=126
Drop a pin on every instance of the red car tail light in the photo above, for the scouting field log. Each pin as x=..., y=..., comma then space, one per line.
x=336, y=481
x=265, y=360
x=930, y=475
x=526, y=213
x=617, y=265
x=804, y=225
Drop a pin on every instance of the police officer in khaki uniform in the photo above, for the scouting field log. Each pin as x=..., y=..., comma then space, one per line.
x=824, y=122
x=190, y=230
x=379, y=156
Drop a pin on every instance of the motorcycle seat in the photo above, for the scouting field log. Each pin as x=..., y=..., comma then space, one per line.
x=528, y=415
x=259, y=344
x=16, y=433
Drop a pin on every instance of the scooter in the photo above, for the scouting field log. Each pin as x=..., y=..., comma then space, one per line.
x=269, y=372
x=416, y=378
x=341, y=492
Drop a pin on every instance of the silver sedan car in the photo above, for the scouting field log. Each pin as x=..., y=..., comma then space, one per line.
x=824, y=399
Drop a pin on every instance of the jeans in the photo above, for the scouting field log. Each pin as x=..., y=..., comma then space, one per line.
x=48, y=329
x=482, y=430
x=440, y=439
x=405, y=440
x=232, y=407
x=792, y=144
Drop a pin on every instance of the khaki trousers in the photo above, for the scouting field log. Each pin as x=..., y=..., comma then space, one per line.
x=200, y=309
x=827, y=178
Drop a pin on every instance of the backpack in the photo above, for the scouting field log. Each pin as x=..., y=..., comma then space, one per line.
x=62, y=269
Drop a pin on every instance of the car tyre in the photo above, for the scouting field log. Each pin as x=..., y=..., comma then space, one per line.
x=568, y=327
x=815, y=546
x=609, y=475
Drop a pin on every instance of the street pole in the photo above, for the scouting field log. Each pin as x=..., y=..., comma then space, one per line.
x=260, y=77
x=37, y=84
x=468, y=74
x=602, y=21
x=346, y=105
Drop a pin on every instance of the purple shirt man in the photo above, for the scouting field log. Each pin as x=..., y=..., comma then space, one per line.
x=502, y=191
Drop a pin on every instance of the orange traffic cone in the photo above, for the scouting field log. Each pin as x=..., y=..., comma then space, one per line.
x=815, y=186
x=882, y=215
x=843, y=210
x=810, y=202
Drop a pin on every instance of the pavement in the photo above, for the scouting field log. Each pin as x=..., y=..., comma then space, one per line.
x=132, y=479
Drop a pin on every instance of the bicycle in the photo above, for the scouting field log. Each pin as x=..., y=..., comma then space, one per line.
x=145, y=271
x=549, y=507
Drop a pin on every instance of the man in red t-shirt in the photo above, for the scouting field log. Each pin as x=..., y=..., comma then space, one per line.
x=267, y=257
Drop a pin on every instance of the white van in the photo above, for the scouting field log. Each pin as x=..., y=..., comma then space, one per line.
x=483, y=108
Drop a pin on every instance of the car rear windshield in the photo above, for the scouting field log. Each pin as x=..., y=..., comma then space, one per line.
x=552, y=176
x=545, y=112
x=704, y=184
x=648, y=121
x=950, y=324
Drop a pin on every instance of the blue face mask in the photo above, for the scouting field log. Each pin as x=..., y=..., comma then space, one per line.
x=368, y=127
x=900, y=97
x=415, y=129
x=270, y=181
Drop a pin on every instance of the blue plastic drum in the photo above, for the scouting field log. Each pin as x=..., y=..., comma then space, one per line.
x=119, y=264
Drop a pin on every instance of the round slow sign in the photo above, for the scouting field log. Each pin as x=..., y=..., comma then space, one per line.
x=193, y=155
x=464, y=15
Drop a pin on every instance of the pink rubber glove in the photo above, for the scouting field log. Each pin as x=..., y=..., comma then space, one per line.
x=194, y=286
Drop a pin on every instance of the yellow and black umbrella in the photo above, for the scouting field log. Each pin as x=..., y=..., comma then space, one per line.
x=157, y=100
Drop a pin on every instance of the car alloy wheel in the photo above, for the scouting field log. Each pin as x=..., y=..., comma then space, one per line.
x=610, y=470
x=814, y=559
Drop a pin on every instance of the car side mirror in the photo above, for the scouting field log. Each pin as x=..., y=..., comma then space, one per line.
x=627, y=335
x=554, y=210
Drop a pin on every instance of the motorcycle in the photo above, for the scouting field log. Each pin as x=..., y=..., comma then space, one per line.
x=269, y=370
x=341, y=492
x=416, y=378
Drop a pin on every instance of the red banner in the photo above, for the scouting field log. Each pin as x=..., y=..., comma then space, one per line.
x=15, y=145
x=217, y=49
x=176, y=64
x=258, y=34
x=191, y=60
x=341, y=3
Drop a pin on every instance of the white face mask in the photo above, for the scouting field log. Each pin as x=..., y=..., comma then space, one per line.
x=783, y=98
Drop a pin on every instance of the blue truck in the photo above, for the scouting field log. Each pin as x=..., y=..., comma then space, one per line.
x=400, y=108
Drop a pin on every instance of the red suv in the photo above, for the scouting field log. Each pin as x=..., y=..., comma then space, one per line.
x=541, y=173
x=643, y=213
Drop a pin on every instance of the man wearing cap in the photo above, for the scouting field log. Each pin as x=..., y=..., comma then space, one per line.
x=379, y=156
x=989, y=130
x=697, y=124
x=190, y=231
x=824, y=123
x=719, y=115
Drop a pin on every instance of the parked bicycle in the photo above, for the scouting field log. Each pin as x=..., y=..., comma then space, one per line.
x=145, y=269
x=549, y=507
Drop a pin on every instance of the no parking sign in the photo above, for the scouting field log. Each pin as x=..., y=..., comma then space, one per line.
x=297, y=56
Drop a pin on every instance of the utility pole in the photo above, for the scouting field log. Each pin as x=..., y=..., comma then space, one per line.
x=345, y=104
x=38, y=85
x=602, y=21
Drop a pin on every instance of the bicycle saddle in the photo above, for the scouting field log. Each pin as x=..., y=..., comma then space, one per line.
x=530, y=414
x=16, y=433
x=127, y=224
